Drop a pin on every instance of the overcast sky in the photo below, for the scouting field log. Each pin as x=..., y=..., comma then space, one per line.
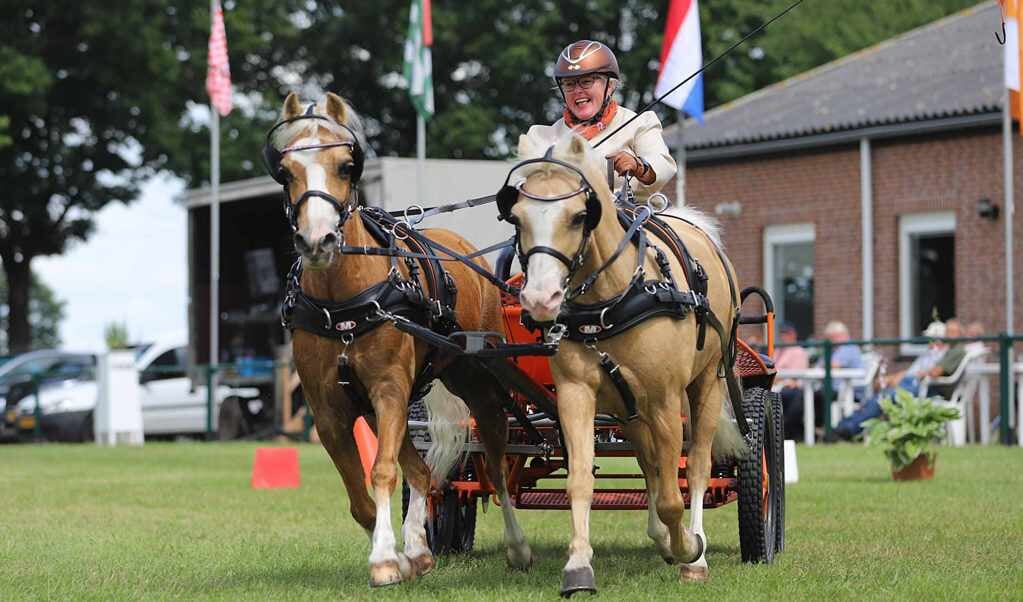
x=132, y=269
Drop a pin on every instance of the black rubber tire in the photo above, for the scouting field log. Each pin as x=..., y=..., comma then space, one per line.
x=757, y=511
x=86, y=432
x=778, y=480
x=452, y=527
x=231, y=423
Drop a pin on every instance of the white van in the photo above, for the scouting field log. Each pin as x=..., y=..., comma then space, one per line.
x=170, y=404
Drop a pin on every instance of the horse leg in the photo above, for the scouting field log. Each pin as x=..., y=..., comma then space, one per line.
x=639, y=434
x=386, y=566
x=486, y=404
x=417, y=475
x=666, y=430
x=576, y=407
x=705, y=404
x=335, y=429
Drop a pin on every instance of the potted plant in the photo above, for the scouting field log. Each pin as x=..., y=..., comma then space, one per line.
x=908, y=431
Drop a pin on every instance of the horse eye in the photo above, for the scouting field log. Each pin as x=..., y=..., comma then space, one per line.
x=346, y=169
x=578, y=219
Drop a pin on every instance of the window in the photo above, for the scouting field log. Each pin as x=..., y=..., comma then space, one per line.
x=926, y=270
x=168, y=364
x=788, y=273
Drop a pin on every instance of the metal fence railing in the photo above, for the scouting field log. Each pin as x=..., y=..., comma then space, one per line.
x=1005, y=343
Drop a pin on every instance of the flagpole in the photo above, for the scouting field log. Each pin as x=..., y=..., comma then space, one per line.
x=420, y=158
x=1009, y=211
x=680, y=160
x=214, y=240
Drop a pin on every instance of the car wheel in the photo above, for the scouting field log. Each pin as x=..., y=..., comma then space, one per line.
x=86, y=434
x=231, y=422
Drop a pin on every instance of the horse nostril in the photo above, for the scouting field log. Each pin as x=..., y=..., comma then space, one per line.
x=328, y=241
x=300, y=243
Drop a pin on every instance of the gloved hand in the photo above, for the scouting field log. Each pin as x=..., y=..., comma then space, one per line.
x=624, y=161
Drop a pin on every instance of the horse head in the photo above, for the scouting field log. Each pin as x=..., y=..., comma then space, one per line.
x=315, y=153
x=558, y=200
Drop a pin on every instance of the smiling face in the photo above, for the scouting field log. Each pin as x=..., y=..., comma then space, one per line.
x=584, y=95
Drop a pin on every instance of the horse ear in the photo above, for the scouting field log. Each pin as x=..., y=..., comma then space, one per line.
x=577, y=146
x=336, y=108
x=292, y=107
x=528, y=148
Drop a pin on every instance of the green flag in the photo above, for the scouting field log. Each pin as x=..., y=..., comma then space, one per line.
x=418, y=66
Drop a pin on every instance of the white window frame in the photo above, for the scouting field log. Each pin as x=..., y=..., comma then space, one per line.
x=779, y=234
x=915, y=224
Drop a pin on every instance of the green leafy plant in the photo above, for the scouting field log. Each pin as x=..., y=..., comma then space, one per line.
x=910, y=426
x=116, y=335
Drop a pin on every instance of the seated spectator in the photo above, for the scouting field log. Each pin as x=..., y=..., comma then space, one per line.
x=927, y=365
x=791, y=358
x=843, y=355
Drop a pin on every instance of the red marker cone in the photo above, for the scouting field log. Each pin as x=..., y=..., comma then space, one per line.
x=275, y=468
x=366, y=441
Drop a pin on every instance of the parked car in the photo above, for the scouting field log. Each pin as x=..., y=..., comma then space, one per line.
x=45, y=369
x=171, y=405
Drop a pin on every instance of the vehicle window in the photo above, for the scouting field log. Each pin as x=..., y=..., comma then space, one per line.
x=166, y=365
x=72, y=368
x=29, y=368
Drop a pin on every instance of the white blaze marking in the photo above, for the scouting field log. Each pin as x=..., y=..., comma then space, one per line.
x=321, y=216
x=545, y=272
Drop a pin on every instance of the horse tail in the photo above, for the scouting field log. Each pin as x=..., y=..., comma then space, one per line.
x=728, y=441
x=449, y=430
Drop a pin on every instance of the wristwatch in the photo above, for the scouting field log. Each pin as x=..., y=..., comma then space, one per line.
x=646, y=166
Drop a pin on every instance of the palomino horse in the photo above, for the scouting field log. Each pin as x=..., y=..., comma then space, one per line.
x=567, y=230
x=319, y=159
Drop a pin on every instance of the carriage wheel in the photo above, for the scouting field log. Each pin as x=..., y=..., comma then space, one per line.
x=451, y=524
x=759, y=477
x=777, y=413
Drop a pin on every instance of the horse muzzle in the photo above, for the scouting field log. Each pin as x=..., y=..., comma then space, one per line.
x=542, y=303
x=319, y=252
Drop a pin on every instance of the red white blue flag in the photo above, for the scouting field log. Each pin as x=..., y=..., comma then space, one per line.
x=681, y=56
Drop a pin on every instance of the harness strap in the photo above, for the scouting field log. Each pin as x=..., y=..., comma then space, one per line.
x=614, y=372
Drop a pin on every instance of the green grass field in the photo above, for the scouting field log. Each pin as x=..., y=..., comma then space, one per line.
x=180, y=521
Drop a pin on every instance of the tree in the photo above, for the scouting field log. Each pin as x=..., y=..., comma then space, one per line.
x=96, y=94
x=46, y=312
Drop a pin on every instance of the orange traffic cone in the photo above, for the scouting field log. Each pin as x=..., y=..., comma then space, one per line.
x=366, y=441
x=275, y=468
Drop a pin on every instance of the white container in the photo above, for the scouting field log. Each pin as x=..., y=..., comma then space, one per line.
x=118, y=415
x=791, y=470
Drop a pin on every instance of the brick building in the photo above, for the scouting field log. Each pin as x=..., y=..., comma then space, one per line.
x=899, y=144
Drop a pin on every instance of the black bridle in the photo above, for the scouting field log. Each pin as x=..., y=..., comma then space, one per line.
x=272, y=158
x=509, y=195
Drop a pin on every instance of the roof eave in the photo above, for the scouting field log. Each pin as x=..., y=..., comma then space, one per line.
x=912, y=128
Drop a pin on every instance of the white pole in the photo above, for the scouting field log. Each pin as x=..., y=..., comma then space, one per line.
x=214, y=234
x=420, y=159
x=680, y=159
x=867, y=234
x=1009, y=216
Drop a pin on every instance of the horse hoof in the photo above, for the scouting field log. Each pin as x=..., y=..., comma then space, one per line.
x=519, y=560
x=384, y=573
x=422, y=565
x=700, y=548
x=578, y=580
x=691, y=573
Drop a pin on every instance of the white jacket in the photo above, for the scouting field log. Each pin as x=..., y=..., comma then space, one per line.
x=642, y=137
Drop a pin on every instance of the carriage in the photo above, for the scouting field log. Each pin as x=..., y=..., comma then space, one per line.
x=490, y=346
x=756, y=483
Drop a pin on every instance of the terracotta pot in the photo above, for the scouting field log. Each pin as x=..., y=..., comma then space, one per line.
x=918, y=470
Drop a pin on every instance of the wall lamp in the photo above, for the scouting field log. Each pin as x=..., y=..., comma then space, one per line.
x=732, y=209
x=988, y=210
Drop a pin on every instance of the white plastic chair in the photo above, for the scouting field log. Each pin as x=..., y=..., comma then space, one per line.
x=965, y=389
x=845, y=401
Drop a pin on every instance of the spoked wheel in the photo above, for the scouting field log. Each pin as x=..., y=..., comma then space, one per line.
x=760, y=480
